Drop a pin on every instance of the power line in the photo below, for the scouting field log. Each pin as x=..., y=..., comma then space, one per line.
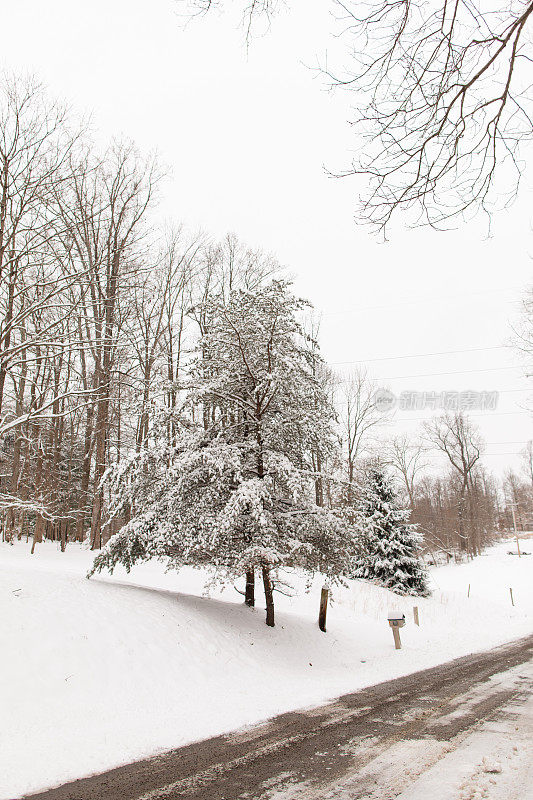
x=437, y=374
x=454, y=372
x=490, y=444
x=499, y=454
x=481, y=414
x=515, y=442
x=421, y=355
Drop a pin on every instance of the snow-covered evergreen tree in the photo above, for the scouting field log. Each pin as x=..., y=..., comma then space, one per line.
x=388, y=549
x=234, y=491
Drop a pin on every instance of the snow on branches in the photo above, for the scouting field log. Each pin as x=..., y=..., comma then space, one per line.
x=233, y=488
x=389, y=543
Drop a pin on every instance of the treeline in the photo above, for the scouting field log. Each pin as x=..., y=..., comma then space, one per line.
x=459, y=507
x=103, y=312
x=94, y=294
x=465, y=508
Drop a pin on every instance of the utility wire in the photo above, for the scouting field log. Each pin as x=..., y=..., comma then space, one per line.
x=421, y=355
x=436, y=374
x=481, y=414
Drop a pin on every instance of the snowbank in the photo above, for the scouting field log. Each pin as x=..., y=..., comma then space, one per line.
x=101, y=672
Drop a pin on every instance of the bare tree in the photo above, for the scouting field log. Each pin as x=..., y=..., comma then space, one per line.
x=527, y=461
x=523, y=331
x=459, y=440
x=518, y=494
x=358, y=416
x=103, y=218
x=442, y=100
x=37, y=139
x=406, y=456
x=435, y=511
x=156, y=328
x=253, y=12
x=35, y=143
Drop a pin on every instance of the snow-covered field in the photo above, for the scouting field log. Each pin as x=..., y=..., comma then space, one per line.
x=101, y=672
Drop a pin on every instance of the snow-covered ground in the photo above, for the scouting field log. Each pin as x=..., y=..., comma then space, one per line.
x=101, y=672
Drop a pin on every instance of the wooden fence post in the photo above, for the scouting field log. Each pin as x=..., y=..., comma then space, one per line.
x=396, y=622
x=397, y=640
x=323, y=608
x=415, y=615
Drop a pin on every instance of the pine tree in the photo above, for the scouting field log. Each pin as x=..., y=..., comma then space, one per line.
x=235, y=491
x=389, y=543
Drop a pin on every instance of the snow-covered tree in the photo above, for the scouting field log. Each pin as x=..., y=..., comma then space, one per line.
x=235, y=490
x=388, y=549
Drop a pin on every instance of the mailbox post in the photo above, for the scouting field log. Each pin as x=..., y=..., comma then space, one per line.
x=396, y=621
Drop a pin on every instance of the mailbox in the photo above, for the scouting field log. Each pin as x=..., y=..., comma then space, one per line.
x=396, y=621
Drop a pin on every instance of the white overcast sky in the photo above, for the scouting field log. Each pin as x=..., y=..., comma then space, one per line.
x=246, y=137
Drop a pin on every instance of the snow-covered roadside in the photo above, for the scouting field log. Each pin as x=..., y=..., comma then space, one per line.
x=97, y=673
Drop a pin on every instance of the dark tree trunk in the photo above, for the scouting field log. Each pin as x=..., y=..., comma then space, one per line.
x=249, y=594
x=269, y=597
x=63, y=531
x=323, y=608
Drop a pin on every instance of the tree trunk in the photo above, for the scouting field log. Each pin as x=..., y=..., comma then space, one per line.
x=463, y=535
x=39, y=520
x=249, y=595
x=269, y=597
x=101, y=431
x=103, y=382
x=86, y=474
x=319, y=484
x=7, y=323
x=322, y=612
x=38, y=533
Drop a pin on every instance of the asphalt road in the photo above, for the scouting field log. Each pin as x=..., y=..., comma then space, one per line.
x=358, y=741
